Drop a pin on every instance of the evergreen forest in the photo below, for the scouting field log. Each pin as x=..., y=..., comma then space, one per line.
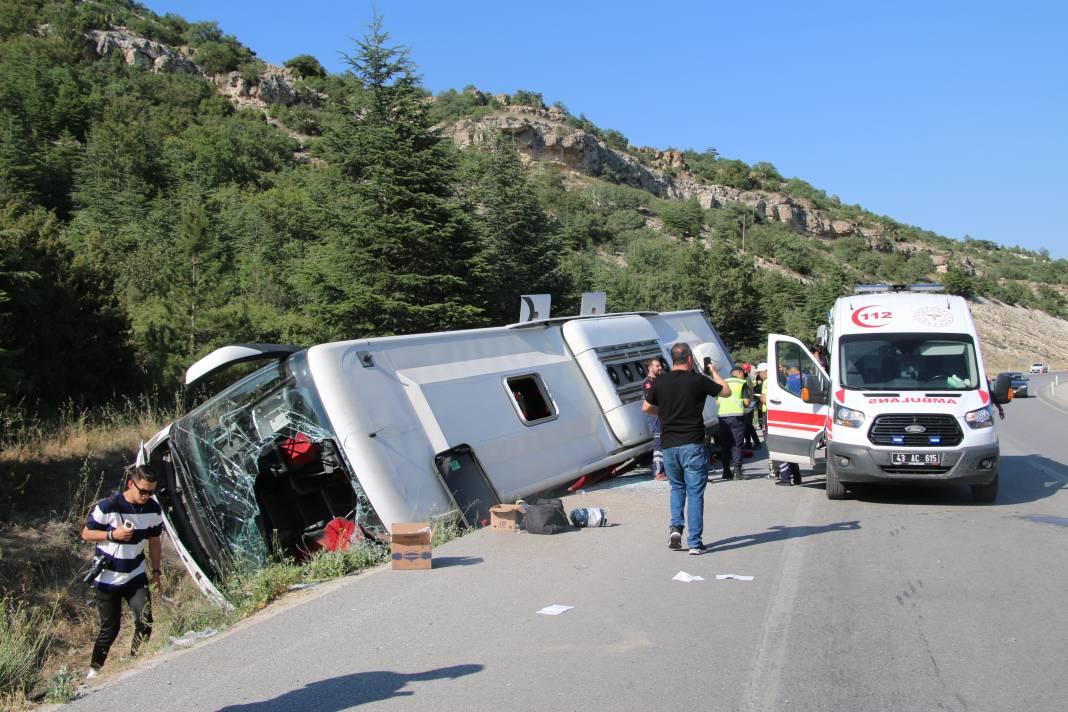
x=145, y=219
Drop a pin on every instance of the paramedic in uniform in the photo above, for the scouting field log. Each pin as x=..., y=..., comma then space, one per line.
x=731, y=410
x=120, y=525
x=678, y=397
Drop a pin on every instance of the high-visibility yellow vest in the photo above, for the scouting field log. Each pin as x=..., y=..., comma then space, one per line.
x=732, y=404
x=764, y=392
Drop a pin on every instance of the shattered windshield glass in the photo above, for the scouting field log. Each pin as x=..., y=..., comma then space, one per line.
x=909, y=362
x=224, y=444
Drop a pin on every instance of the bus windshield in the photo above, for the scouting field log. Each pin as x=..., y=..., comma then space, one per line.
x=221, y=441
x=909, y=362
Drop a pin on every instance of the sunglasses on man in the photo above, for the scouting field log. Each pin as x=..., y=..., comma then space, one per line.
x=142, y=491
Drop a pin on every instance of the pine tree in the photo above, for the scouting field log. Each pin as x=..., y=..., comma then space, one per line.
x=184, y=309
x=62, y=336
x=400, y=256
x=520, y=249
x=733, y=303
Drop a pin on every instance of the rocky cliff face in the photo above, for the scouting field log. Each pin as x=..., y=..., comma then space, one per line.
x=1014, y=337
x=541, y=135
x=275, y=85
x=140, y=52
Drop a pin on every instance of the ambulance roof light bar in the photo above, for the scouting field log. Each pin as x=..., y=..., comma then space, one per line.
x=874, y=288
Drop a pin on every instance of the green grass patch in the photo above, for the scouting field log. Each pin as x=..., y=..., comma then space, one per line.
x=25, y=639
x=62, y=687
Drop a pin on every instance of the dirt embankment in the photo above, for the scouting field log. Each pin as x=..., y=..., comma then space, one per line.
x=1015, y=337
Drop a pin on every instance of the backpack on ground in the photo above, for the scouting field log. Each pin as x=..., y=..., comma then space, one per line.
x=546, y=517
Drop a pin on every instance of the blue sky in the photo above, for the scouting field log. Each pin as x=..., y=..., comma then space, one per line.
x=951, y=116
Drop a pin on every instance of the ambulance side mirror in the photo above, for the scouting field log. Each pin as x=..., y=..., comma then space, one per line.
x=1001, y=392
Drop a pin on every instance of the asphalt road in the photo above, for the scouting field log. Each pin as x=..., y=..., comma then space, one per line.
x=901, y=599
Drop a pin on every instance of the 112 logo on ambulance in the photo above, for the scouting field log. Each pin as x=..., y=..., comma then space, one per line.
x=872, y=316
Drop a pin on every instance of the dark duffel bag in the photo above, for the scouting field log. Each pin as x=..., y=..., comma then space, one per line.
x=546, y=517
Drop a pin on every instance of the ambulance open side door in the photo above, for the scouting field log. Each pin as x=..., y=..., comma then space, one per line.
x=798, y=401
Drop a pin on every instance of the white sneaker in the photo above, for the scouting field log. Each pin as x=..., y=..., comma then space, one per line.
x=91, y=674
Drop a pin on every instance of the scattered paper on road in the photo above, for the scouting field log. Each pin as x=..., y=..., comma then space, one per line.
x=733, y=577
x=687, y=578
x=554, y=610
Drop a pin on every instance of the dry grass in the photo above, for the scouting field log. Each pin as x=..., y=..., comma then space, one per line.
x=51, y=468
x=51, y=473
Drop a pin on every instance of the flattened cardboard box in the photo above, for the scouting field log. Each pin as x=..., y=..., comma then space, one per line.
x=506, y=517
x=410, y=546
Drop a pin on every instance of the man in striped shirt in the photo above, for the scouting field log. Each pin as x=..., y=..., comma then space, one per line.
x=120, y=525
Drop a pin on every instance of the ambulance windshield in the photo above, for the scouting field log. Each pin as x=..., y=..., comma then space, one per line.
x=909, y=362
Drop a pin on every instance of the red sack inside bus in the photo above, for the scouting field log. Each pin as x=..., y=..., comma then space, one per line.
x=298, y=451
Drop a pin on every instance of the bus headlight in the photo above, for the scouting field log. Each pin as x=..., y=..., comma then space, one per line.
x=847, y=417
x=981, y=418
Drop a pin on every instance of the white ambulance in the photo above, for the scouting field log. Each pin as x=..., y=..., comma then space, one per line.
x=906, y=398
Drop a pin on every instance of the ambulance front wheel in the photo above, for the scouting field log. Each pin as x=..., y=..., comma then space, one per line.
x=986, y=494
x=835, y=488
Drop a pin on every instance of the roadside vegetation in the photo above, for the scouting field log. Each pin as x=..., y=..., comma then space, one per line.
x=51, y=473
x=145, y=221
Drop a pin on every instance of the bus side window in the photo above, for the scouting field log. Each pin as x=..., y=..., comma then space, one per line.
x=531, y=399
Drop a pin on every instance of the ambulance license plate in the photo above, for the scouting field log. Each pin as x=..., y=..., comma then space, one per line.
x=933, y=459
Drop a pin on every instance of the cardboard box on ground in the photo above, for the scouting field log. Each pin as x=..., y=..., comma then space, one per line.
x=410, y=546
x=506, y=517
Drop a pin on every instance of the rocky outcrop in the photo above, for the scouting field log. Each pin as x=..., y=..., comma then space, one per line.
x=139, y=51
x=275, y=85
x=541, y=136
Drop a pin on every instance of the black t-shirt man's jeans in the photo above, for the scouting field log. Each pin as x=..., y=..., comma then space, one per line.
x=680, y=399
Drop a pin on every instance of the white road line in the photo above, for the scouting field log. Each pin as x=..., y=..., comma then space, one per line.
x=1049, y=387
x=763, y=690
x=1006, y=439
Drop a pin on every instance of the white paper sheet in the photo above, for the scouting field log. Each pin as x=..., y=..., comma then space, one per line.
x=554, y=610
x=687, y=578
x=733, y=577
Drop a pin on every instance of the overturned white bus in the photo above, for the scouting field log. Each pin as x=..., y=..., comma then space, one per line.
x=394, y=429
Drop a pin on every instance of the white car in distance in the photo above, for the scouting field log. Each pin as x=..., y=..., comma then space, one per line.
x=1039, y=368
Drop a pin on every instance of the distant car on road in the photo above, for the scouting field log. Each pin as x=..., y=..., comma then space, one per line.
x=1020, y=384
x=1039, y=368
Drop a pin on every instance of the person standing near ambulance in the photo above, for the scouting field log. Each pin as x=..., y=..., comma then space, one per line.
x=678, y=397
x=752, y=440
x=731, y=410
x=120, y=525
x=774, y=466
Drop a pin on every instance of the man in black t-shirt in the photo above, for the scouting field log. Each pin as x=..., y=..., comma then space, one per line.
x=678, y=397
x=654, y=369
